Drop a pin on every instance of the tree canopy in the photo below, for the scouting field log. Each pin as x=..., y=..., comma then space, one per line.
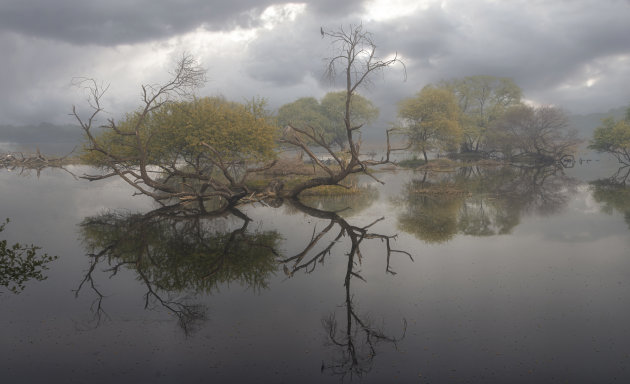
x=541, y=134
x=326, y=117
x=185, y=130
x=481, y=99
x=613, y=137
x=211, y=142
x=431, y=120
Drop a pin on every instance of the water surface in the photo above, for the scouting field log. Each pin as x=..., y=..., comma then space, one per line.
x=479, y=275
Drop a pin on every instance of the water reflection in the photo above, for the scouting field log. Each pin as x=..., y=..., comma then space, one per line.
x=346, y=205
x=480, y=201
x=354, y=339
x=20, y=263
x=613, y=193
x=25, y=164
x=178, y=256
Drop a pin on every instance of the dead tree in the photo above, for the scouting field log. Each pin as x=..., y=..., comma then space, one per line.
x=355, y=58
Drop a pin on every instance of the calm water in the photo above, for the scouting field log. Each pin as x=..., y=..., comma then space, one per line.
x=508, y=276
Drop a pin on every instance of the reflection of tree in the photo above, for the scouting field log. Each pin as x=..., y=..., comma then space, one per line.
x=430, y=217
x=37, y=162
x=20, y=263
x=346, y=205
x=480, y=201
x=621, y=176
x=356, y=343
x=543, y=190
x=178, y=256
x=613, y=195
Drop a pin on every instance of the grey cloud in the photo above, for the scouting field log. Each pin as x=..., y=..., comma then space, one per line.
x=287, y=54
x=541, y=45
x=132, y=21
x=549, y=48
x=123, y=21
x=336, y=8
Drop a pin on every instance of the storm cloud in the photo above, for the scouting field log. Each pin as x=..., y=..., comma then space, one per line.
x=574, y=54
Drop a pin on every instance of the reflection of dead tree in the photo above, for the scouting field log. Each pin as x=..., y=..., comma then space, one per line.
x=176, y=255
x=355, y=58
x=188, y=314
x=97, y=305
x=36, y=162
x=307, y=262
x=357, y=343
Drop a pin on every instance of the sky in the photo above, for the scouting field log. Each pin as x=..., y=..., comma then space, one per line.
x=574, y=54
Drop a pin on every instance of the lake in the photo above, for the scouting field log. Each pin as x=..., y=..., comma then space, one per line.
x=481, y=275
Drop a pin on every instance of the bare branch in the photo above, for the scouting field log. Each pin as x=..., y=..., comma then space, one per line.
x=354, y=57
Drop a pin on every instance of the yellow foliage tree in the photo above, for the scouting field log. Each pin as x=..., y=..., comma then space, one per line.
x=176, y=148
x=431, y=120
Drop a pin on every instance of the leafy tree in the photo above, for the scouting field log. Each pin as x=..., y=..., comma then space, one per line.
x=481, y=99
x=203, y=148
x=613, y=137
x=326, y=118
x=431, y=120
x=362, y=112
x=199, y=132
x=541, y=134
